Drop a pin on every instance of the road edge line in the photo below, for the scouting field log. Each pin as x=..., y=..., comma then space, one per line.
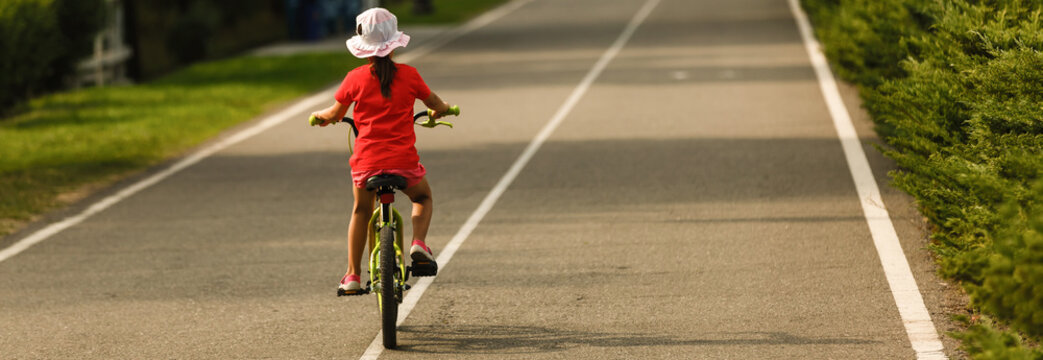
x=99, y=206
x=923, y=336
x=376, y=347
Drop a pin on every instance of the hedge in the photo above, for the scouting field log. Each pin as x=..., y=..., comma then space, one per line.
x=40, y=42
x=956, y=90
x=169, y=35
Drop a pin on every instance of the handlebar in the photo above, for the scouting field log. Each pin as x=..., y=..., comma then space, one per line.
x=430, y=123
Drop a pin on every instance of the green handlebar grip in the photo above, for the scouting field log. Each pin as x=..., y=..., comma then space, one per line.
x=312, y=121
x=453, y=110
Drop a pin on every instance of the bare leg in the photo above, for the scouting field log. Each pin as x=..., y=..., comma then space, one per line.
x=420, y=195
x=358, y=228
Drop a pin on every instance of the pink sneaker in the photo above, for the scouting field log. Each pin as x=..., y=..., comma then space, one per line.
x=420, y=252
x=423, y=260
x=349, y=285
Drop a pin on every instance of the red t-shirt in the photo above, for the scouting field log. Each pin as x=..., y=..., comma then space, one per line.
x=386, y=136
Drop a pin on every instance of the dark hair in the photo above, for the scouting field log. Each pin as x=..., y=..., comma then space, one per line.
x=384, y=69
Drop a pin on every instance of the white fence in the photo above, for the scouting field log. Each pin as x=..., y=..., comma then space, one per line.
x=108, y=64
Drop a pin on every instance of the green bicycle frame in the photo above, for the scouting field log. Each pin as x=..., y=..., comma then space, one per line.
x=375, y=225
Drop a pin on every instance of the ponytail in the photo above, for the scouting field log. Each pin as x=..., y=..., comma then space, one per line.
x=384, y=69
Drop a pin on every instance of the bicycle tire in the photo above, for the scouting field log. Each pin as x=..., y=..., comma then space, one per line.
x=388, y=284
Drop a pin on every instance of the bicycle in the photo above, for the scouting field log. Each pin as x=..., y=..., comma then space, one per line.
x=387, y=270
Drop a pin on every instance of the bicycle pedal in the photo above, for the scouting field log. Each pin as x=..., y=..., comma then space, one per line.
x=424, y=268
x=342, y=292
x=406, y=287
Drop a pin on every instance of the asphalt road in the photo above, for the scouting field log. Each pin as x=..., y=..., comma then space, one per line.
x=695, y=203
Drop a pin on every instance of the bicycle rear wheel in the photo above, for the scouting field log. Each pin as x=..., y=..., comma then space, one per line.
x=388, y=286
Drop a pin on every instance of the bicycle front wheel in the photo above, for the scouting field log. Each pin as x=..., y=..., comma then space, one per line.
x=388, y=285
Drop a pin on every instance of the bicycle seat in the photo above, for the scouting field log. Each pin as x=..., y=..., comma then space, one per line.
x=385, y=180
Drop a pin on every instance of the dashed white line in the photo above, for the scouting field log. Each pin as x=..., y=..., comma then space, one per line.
x=376, y=347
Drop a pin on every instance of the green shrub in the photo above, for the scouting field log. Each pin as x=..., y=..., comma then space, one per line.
x=955, y=88
x=1012, y=286
x=983, y=341
x=40, y=43
x=29, y=38
x=190, y=35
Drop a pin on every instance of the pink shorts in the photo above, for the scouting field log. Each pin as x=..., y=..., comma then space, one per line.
x=413, y=176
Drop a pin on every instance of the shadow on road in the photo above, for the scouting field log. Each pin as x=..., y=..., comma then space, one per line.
x=505, y=339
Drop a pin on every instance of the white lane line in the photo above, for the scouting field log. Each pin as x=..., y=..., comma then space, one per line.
x=267, y=123
x=377, y=347
x=918, y=325
x=275, y=119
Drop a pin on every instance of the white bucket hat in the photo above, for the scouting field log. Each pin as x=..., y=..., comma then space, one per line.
x=377, y=34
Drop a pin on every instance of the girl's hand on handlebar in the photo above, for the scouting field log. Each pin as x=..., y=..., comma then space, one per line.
x=433, y=114
x=316, y=119
x=329, y=115
x=448, y=110
x=438, y=111
x=436, y=103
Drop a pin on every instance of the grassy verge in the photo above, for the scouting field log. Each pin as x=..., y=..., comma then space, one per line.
x=64, y=141
x=446, y=11
x=955, y=88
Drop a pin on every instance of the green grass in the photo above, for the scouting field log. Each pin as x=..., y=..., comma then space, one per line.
x=446, y=11
x=62, y=142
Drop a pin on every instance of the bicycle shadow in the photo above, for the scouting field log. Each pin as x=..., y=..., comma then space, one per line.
x=505, y=339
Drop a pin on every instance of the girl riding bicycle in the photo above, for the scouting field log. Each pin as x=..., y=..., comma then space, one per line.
x=383, y=93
